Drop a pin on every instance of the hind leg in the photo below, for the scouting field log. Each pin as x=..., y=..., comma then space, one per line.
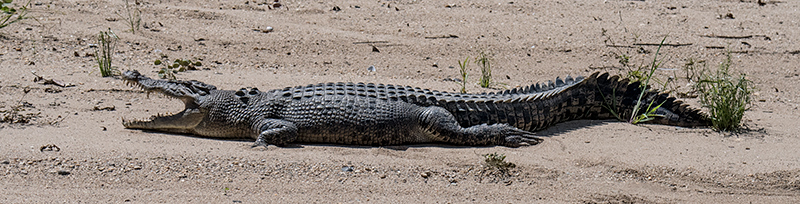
x=443, y=127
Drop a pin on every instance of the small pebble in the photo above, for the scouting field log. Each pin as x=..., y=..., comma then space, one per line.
x=425, y=174
x=347, y=168
x=371, y=68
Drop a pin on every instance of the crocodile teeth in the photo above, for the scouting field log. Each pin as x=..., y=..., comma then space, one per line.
x=127, y=122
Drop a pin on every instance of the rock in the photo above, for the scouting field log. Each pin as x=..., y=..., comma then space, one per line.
x=347, y=168
x=425, y=174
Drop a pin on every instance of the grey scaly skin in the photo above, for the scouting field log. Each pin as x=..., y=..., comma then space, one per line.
x=378, y=115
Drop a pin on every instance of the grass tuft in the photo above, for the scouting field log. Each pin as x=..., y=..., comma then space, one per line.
x=727, y=97
x=106, y=41
x=463, y=70
x=486, y=70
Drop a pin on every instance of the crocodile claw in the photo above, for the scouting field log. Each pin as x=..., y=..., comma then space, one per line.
x=518, y=138
x=260, y=143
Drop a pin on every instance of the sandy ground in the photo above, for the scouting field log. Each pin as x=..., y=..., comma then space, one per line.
x=417, y=43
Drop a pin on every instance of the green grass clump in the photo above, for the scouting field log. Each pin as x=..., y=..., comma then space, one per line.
x=486, y=70
x=727, y=97
x=10, y=15
x=463, y=69
x=106, y=41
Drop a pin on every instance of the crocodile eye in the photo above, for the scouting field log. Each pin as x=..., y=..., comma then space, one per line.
x=253, y=91
x=240, y=92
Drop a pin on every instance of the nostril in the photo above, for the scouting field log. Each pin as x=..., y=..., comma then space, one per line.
x=253, y=91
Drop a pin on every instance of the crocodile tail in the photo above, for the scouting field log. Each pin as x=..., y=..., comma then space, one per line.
x=618, y=98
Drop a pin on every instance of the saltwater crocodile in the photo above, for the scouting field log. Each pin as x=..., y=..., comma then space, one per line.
x=380, y=115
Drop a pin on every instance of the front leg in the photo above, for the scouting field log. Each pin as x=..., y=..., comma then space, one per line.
x=274, y=131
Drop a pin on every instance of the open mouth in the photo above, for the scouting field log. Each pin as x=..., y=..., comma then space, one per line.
x=187, y=91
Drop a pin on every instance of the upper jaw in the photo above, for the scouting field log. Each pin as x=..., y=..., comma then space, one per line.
x=188, y=91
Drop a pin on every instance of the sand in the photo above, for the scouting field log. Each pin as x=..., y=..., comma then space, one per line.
x=70, y=145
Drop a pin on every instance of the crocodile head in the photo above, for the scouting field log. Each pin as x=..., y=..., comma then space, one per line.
x=192, y=93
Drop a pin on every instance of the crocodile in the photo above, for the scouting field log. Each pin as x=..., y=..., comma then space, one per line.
x=385, y=115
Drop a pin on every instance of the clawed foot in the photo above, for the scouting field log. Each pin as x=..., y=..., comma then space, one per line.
x=260, y=142
x=517, y=138
x=265, y=144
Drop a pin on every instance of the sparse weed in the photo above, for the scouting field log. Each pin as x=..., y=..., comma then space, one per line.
x=463, y=69
x=133, y=15
x=649, y=113
x=624, y=60
x=178, y=65
x=642, y=74
x=694, y=69
x=15, y=113
x=10, y=15
x=637, y=75
x=497, y=161
x=106, y=41
x=727, y=97
x=486, y=70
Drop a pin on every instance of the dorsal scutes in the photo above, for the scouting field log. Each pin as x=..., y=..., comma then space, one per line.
x=536, y=91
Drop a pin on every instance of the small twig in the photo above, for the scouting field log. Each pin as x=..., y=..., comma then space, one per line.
x=25, y=90
x=50, y=81
x=732, y=36
x=625, y=46
x=443, y=36
x=762, y=3
x=59, y=120
x=649, y=44
x=369, y=42
x=665, y=44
